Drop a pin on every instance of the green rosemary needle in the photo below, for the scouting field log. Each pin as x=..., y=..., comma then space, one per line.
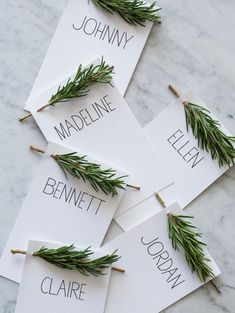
x=78, y=86
x=68, y=257
x=132, y=11
x=183, y=235
x=208, y=133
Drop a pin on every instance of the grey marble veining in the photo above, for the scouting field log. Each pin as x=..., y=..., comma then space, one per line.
x=193, y=47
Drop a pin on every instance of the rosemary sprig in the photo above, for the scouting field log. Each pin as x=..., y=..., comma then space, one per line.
x=208, y=133
x=84, y=78
x=80, y=168
x=99, y=178
x=132, y=11
x=68, y=257
x=210, y=138
x=183, y=235
x=79, y=86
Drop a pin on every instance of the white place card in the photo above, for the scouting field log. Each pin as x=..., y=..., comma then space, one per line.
x=103, y=125
x=84, y=32
x=48, y=288
x=156, y=275
x=59, y=210
x=192, y=168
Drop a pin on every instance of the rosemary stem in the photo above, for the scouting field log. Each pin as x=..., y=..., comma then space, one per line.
x=40, y=151
x=212, y=282
x=16, y=251
x=31, y=147
x=174, y=91
x=177, y=94
x=21, y=119
x=117, y=269
x=133, y=186
x=43, y=107
x=171, y=217
x=161, y=201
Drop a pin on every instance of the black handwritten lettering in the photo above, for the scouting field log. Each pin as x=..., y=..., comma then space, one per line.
x=84, y=118
x=78, y=198
x=162, y=260
x=49, y=187
x=191, y=155
x=61, y=132
x=91, y=27
x=70, y=289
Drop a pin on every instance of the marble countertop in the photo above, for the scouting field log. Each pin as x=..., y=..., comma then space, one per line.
x=193, y=47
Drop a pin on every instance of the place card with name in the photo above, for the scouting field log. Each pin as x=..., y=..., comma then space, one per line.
x=156, y=275
x=59, y=209
x=103, y=125
x=84, y=32
x=48, y=288
x=192, y=168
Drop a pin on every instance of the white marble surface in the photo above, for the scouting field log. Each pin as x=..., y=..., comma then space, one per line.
x=194, y=47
